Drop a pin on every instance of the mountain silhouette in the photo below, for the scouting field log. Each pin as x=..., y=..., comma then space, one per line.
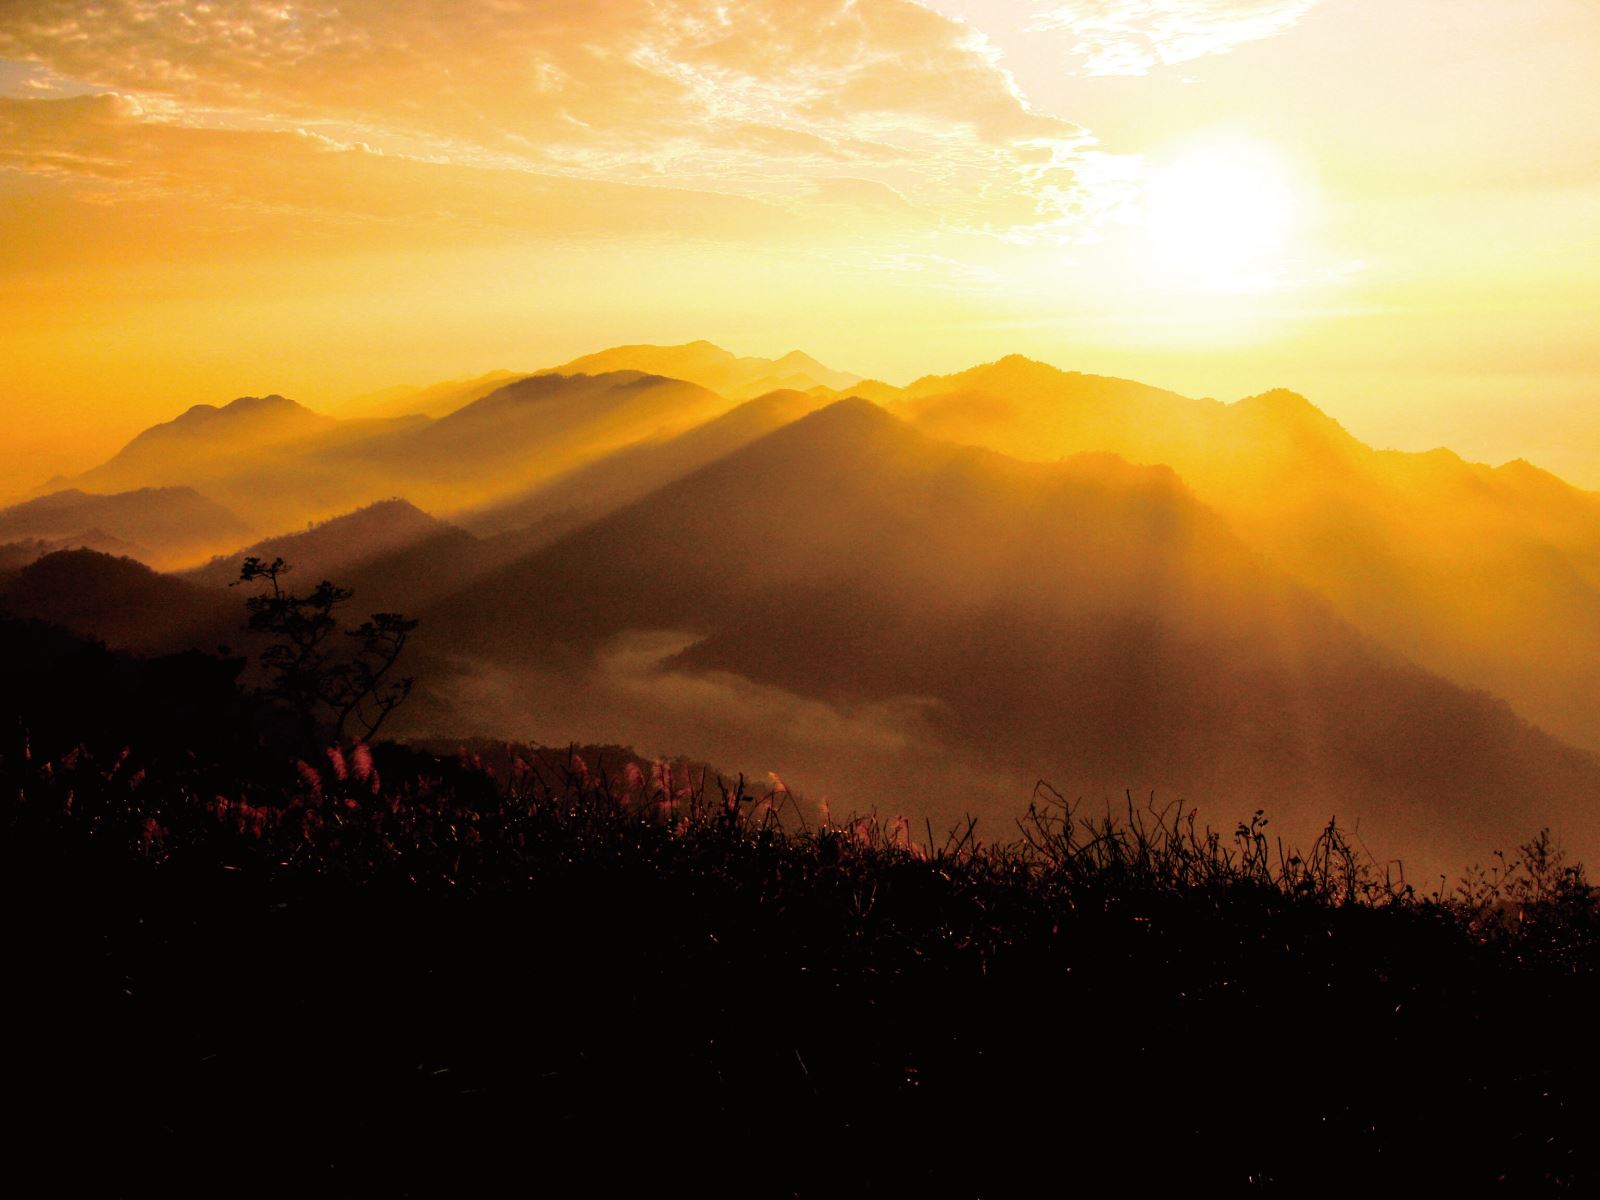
x=715, y=368
x=166, y=526
x=791, y=573
x=576, y=498
x=203, y=437
x=334, y=547
x=1090, y=618
x=16, y=555
x=1490, y=576
x=284, y=467
x=121, y=602
x=393, y=555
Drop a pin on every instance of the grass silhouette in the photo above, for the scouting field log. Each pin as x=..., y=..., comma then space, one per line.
x=390, y=969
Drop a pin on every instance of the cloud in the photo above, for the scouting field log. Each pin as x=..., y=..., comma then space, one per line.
x=107, y=182
x=886, y=755
x=1129, y=37
x=712, y=96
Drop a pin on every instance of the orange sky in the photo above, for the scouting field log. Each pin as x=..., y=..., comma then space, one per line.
x=1391, y=207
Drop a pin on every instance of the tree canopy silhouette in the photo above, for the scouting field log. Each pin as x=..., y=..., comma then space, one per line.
x=337, y=681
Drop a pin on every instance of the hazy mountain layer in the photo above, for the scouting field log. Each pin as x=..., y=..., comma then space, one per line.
x=205, y=440
x=306, y=468
x=16, y=555
x=575, y=498
x=334, y=547
x=122, y=603
x=438, y=400
x=715, y=368
x=1490, y=576
x=890, y=612
x=166, y=526
x=1088, y=620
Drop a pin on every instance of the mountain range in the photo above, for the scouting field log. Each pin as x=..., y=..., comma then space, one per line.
x=920, y=598
x=160, y=525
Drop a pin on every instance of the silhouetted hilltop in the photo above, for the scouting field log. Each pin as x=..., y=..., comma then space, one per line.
x=121, y=602
x=167, y=526
x=16, y=555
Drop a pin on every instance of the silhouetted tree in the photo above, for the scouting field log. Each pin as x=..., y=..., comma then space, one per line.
x=337, y=686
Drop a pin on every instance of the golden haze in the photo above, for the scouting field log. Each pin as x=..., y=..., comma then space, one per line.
x=1391, y=212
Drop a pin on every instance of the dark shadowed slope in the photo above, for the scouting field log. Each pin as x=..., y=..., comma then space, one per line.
x=16, y=555
x=330, y=550
x=394, y=556
x=712, y=367
x=1087, y=621
x=1490, y=576
x=168, y=526
x=576, y=498
x=122, y=603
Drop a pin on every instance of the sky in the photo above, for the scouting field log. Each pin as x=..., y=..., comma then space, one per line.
x=1390, y=206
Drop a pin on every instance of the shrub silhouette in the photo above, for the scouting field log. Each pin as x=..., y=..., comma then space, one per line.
x=339, y=687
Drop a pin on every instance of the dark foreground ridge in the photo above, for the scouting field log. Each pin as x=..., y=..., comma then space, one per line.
x=394, y=971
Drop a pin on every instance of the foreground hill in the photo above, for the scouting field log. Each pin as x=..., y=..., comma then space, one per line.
x=167, y=526
x=1089, y=619
x=431, y=973
x=1490, y=576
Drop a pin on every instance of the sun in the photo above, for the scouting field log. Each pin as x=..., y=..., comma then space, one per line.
x=1221, y=216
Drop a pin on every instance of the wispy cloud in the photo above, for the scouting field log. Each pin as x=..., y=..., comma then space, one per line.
x=1129, y=37
x=101, y=168
x=747, y=98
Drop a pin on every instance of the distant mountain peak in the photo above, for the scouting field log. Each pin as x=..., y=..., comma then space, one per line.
x=245, y=416
x=854, y=409
x=242, y=406
x=798, y=359
x=1283, y=405
x=710, y=366
x=1280, y=398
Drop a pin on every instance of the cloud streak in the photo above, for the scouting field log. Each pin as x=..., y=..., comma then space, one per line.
x=1130, y=37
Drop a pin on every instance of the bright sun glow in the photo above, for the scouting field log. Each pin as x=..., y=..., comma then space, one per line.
x=1220, y=217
